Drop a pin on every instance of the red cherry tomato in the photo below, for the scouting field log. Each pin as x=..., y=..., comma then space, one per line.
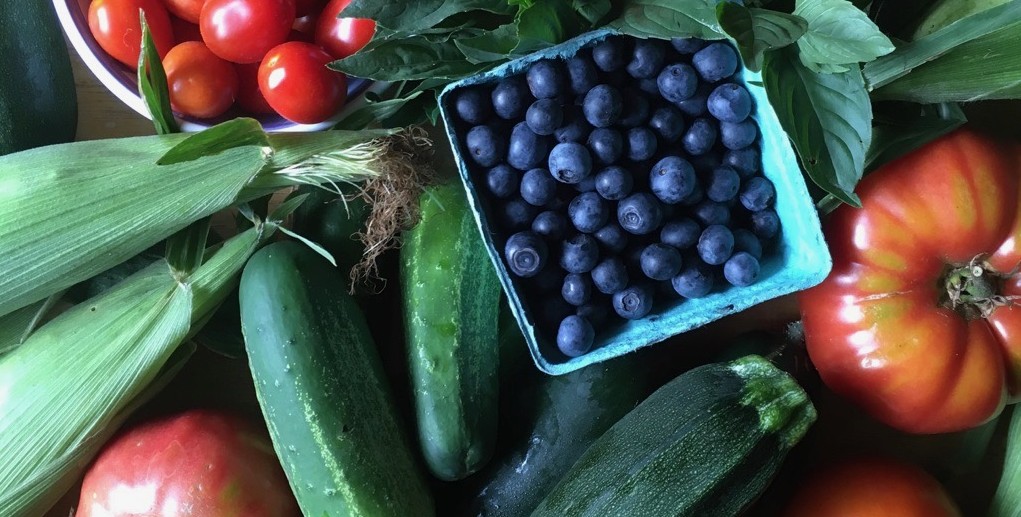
x=198, y=463
x=250, y=98
x=307, y=7
x=185, y=31
x=242, y=31
x=185, y=9
x=342, y=37
x=295, y=81
x=201, y=84
x=115, y=25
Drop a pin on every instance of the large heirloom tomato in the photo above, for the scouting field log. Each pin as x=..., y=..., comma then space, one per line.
x=917, y=321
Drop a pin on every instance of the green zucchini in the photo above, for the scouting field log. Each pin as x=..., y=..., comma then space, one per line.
x=451, y=311
x=38, y=102
x=705, y=444
x=322, y=390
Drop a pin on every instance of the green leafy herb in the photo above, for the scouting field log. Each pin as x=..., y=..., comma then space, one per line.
x=152, y=84
x=828, y=118
x=669, y=19
x=416, y=15
x=592, y=10
x=408, y=59
x=903, y=127
x=548, y=21
x=757, y=31
x=839, y=36
x=373, y=111
x=495, y=45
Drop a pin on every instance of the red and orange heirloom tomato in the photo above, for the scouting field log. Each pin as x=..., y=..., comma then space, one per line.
x=871, y=487
x=117, y=28
x=201, y=84
x=916, y=323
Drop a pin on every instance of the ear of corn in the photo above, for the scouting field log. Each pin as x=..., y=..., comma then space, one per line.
x=13, y=326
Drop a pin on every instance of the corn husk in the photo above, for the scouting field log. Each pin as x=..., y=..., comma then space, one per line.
x=65, y=390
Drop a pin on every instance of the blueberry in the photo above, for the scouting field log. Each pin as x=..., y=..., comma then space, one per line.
x=738, y=135
x=633, y=302
x=747, y=242
x=672, y=179
x=682, y=233
x=716, y=244
x=704, y=163
x=581, y=73
x=579, y=253
x=723, y=184
x=639, y=214
x=649, y=86
x=729, y=102
x=696, y=105
x=570, y=162
x=636, y=109
x=485, y=146
x=697, y=196
x=710, y=212
x=687, y=45
x=575, y=128
x=503, y=180
x=700, y=137
x=668, y=123
x=544, y=116
x=527, y=150
x=741, y=269
x=586, y=185
x=744, y=161
x=641, y=144
x=765, y=224
x=757, y=194
x=677, y=82
x=511, y=98
x=614, y=183
x=694, y=280
x=610, y=276
x=517, y=215
x=715, y=62
x=612, y=237
x=611, y=54
x=647, y=58
x=660, y=262
x=577, y=289
x=525, y=253
x=548, y=280
x=602, y=106
x=551, y=225
x=538, y=187
x=588, y=212
x=606, y=145
x=546, y=79
x=596, y=312
x=575, y=336
x=473, y=106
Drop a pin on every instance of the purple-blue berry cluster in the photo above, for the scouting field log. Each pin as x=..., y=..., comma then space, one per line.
x=625, y=176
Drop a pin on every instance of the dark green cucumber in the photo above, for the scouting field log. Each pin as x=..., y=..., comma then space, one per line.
x=705, y=444
x=322, y=390
x=38, y=103
x=451, y=308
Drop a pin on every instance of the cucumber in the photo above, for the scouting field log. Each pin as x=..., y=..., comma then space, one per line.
x=705, y=444
x=451, y=311
x=322, y=391
x=38, y=102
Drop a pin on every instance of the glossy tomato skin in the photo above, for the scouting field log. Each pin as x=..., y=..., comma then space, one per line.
x=308, y=7
x=871, y=487
x=242, y=31
x=250, y=98
x=188, y=10
x=198, y=464
x=342, y=37
x=295, y=81
x=875, y=328
x=184, y=30
x=116, y=26
x=201, y=84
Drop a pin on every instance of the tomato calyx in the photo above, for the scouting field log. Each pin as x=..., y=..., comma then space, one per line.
x=974, y=290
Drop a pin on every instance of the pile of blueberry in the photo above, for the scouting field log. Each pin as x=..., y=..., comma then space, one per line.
x=627, y=173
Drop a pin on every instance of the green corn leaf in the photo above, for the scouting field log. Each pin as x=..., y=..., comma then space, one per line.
x=238, y=132
x=839, y=36
x=152, y=84
x=186, y=248
x=757, y=31
x=13, y=325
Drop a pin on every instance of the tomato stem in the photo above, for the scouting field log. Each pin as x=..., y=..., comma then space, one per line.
x=973, y=289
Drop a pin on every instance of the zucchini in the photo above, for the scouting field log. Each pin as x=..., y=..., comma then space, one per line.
x=451, y=311
x=322, y=390
x=38, y=102
x=705, y=444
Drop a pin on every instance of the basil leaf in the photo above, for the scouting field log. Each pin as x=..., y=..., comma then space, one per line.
x=495, y=45
x=407, y=59
x=548, y=21
x=899, y=128
x=412, y=16
x=827, y=117
x=839, y=36
x=758, y=30
x=371, y=112
x=669, y=19
x=592, y=11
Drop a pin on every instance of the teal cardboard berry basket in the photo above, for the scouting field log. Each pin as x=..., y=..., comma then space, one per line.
x=798, y=260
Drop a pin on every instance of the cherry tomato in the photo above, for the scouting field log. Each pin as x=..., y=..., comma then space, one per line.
x=307, y=7
x=871, y=487
x=188, y=10
x=198, y=463
x=115, y=25
x=201, y=84
x=342, y=37
x=242, y=31
x=294, y=78
x=185, y=31
x=250, y=98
